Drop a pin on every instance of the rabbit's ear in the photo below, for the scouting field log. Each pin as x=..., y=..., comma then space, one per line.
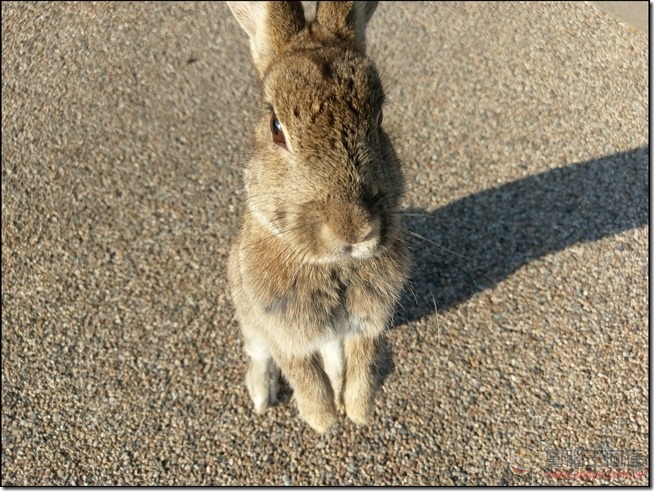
x=270, y=25
x=347, y=20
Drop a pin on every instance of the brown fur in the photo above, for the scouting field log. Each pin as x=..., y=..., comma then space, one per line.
x=334, y=191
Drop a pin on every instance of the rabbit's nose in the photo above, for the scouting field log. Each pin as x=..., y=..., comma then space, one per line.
x=371, y=230
x=352, y=225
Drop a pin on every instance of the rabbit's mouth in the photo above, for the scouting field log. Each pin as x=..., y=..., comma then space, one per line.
x=345, y=254
x=364, y=250
x=357, y=251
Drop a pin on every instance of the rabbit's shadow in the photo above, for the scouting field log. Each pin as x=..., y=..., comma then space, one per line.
x=476, y=242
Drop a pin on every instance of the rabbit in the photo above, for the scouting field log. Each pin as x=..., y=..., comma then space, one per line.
x=319, y=261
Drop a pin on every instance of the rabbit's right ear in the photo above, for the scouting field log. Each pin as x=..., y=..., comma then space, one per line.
x=270, y=25
x=348, y=20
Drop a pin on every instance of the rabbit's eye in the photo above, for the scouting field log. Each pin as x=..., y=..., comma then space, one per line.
x=277, y=133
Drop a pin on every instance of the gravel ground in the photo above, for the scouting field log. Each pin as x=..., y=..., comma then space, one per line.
x=523, y=341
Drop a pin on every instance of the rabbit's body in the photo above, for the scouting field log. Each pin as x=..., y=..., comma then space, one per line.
x=319, y=262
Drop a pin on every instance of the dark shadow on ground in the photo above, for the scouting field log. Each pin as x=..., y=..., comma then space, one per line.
x=501, y=229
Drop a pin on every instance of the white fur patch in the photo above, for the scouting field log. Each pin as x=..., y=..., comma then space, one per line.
x=333, y=360
x=257, y=349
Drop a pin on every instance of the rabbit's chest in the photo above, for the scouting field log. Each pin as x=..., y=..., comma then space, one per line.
x=337, y=305
x=317, y=306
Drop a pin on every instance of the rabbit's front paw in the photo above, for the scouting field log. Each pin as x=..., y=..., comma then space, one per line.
x=320, y=419
x=320, y=415
x=359, y=409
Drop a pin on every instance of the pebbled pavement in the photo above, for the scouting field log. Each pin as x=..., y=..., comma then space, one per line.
x=520, y=354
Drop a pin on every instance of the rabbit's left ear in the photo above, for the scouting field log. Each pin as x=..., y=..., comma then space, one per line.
x=270, y=25
x=348, y=20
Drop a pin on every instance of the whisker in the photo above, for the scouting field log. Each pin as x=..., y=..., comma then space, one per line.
x=407, y=213
x=413, y=291
x=431, y=218
x=418, y=236
x=438, y=328
x=391, y=196
x=414, y=234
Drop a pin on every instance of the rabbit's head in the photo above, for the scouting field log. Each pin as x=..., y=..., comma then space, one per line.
x=324, y=177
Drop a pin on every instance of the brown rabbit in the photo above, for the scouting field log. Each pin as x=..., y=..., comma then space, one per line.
x=319, y=262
